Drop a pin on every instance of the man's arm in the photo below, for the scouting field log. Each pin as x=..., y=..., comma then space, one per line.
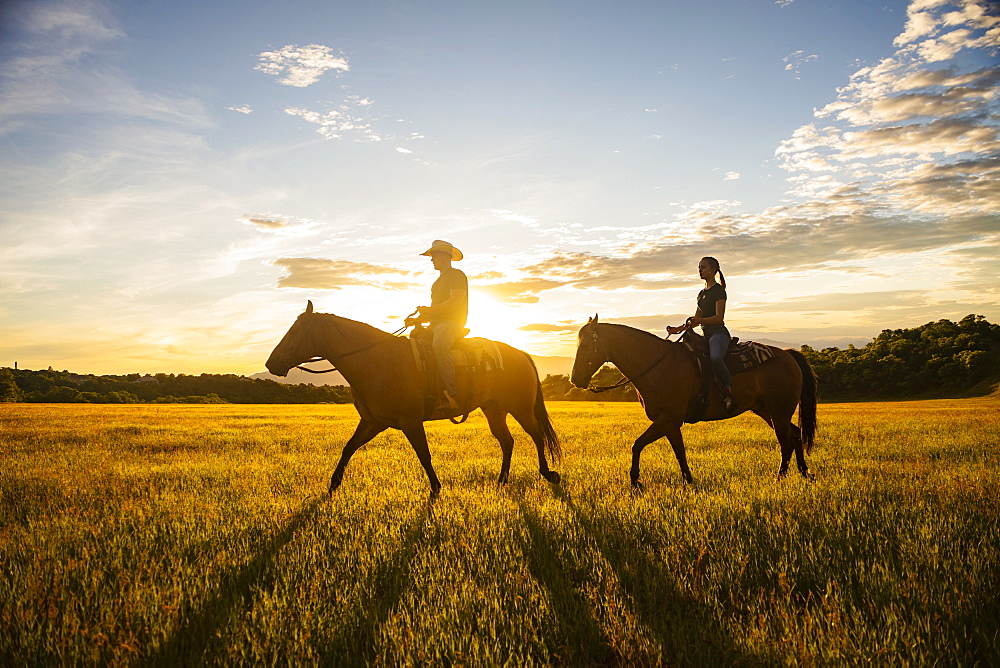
x=455, y=299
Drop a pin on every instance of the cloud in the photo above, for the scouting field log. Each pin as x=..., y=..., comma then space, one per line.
x=405, y=151
x=795, y=60
x=267, y=223
x=322, y=274
x=909, y=134
x=243, y=109
x=350, y=118
x=841, y=301
x=549, y=328
x=732, y=176
x=301, y=66
x=524, y=291
x=57, y=71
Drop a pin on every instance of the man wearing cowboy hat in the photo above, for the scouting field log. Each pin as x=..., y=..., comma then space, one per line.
x=447, y=313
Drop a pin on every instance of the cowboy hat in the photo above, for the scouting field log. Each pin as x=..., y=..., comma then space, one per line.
x=444, y=247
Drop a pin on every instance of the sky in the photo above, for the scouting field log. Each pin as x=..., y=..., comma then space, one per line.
x=178, y=178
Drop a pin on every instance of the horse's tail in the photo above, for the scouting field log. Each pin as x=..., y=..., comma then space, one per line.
x=549, y=437
x=807, y=400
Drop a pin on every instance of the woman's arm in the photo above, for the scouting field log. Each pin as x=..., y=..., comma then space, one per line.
x=688, y=324
x=717, y=319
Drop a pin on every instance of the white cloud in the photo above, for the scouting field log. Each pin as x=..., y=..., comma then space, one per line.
x=301, y=66
x=732, y=176
x=243, y=109
x=337, y=123
x=400, y=149
x=795, y=60
x=906, y=111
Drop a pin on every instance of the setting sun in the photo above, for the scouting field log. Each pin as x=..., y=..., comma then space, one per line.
x=495, y=320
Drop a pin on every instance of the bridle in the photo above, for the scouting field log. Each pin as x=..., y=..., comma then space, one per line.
x=624, y=380
x=334, y=359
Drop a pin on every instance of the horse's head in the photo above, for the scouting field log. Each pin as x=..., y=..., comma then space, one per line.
x=590, y=356
x=295, y=347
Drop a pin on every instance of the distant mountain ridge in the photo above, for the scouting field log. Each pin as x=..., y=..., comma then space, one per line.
x=554, y=366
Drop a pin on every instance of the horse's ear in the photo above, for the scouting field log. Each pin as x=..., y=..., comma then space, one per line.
x=595, y=319
x=309, y=306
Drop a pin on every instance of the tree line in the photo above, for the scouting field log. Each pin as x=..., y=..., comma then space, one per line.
x=938, y=359
x=51, y=386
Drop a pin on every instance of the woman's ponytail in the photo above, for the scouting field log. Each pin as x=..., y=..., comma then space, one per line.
x=722, y=279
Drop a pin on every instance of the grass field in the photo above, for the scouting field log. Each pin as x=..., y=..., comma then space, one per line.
x=202, y=534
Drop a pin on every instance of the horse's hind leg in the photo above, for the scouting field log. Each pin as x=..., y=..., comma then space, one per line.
x=800, y=455
x=497, y=419
x=783, y=429
x=530, y=424
x=364, y=432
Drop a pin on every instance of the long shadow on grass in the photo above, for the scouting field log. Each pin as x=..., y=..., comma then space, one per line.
x=189, y=644
x=583, y=641
x=684, y=626
x=356, y=641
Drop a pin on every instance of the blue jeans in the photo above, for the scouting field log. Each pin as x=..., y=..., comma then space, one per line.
x=718, y=344
x=445, y=334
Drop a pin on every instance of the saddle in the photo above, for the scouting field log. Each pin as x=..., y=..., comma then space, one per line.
x=473, y=358
x=740, y=357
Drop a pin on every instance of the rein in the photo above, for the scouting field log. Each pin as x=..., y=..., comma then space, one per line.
x=625, y=380
x=333, y=366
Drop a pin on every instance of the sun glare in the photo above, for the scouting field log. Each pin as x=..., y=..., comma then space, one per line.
x=491, y=319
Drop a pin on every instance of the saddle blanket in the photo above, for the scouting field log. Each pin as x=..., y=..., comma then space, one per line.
x=473, y=354
x=747, y=355
x=741, y=356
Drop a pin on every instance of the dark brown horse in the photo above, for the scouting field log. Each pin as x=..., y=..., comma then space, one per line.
x=389, y=389
x=665, y=376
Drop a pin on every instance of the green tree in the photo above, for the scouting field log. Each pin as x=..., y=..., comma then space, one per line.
x=9, y=391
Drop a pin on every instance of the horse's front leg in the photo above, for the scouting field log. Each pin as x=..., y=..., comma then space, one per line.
x=364, y=432
x=657, y=430
x=415, y=434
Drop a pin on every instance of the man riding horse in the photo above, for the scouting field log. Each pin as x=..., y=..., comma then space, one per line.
x=446, y=315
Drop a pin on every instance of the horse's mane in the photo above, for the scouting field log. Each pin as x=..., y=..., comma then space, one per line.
x=634, y=329
x=362, y=326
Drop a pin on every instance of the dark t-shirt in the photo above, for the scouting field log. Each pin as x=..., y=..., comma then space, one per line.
x=706, y=304
x=451, y=279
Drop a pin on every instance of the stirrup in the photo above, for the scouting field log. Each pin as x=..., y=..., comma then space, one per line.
x=448, y=405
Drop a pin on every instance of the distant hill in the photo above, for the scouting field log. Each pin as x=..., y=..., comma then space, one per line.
x=546, y=366
x=297, y=377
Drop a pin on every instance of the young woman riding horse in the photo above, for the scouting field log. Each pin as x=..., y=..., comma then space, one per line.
x=710, y=314
x=667, y=381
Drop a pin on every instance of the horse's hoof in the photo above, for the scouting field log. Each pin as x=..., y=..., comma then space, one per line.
x=334, y=484
x=552, y=477
x=435, y=492
x=637, y=486
x=502, y=480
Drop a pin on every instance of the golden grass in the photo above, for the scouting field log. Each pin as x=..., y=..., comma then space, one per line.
x=202, y=534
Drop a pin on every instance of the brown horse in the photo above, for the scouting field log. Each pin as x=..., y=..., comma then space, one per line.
x=389, y=389
x=666, y=378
